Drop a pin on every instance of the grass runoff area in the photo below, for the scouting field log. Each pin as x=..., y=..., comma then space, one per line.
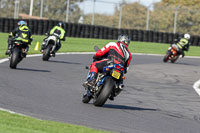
x=13, y=123
x=87, y=45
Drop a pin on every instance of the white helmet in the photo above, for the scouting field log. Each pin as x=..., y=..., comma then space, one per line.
x=124, y=38
x=187, y=36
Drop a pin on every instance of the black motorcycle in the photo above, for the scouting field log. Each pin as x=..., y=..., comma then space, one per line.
x=18, y=52
x=49, y=47
x=108, y=83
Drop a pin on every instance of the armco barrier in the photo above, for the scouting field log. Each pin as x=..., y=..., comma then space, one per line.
x=40, y=27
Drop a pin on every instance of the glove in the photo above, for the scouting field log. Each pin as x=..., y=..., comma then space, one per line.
x=46, y=34
x=94, y=58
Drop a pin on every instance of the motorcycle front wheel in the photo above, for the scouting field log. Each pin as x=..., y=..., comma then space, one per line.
x=166, y=57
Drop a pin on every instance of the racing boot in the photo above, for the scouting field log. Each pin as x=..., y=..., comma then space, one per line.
x=111, y=97
x=53, y=54
x=91, y=80
x=8, y=50
x=43, y=45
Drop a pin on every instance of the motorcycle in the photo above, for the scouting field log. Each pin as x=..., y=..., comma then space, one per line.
x=18, y=52
x=108, y=83
x=49, y=46
x=172, y=54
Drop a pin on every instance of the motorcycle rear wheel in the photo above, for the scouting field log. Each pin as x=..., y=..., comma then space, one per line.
x=100, y=100
x=46, y=53
x=15, y=58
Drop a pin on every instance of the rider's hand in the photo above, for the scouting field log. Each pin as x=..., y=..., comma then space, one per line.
x=95, y=58
x=125, y=70
x=62, y=39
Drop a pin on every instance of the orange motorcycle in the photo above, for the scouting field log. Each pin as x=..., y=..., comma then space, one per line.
x=172, y=54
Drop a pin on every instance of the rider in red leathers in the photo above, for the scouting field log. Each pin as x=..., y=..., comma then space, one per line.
x=116, y=52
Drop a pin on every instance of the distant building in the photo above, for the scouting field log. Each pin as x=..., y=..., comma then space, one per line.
x=26, y=16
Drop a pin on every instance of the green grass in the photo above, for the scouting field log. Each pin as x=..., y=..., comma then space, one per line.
x=86, y=45
x=13, y=123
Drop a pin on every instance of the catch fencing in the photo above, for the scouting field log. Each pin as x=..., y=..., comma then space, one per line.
x=40, y=27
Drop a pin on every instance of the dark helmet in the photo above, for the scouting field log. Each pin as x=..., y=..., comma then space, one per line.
x=124, y=38
x=61, y=24
x=21, y=23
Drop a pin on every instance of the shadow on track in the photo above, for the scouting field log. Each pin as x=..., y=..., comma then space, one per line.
x=124, y=107
x=64, y=62
x=187, y=64
x=33, y=70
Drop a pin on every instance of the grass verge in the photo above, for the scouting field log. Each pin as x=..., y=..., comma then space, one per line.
x=86, y=45
x=13, y=123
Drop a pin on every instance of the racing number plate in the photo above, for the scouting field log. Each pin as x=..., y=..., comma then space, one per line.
x=116, y=74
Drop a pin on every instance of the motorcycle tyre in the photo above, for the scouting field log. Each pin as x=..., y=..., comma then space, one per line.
x=100, y=100
x=15, y=58
x=166, y=57
x=46, y=53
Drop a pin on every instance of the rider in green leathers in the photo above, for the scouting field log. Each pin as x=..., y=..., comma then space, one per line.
x=21, y=31
x=59, y=31
x=183, y=44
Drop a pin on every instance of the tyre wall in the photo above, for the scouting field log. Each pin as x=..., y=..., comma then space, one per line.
x=40, y=27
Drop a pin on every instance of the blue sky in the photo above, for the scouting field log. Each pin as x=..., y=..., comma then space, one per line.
x=108, y=8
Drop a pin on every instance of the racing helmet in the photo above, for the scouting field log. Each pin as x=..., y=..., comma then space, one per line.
x=61, y=24
x=124, y=38
x=21, y=23
x=187, y=36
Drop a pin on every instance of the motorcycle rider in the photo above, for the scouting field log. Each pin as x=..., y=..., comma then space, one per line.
x=116, y=52
x=59, y=31
x=22, y=31
x=183, y=44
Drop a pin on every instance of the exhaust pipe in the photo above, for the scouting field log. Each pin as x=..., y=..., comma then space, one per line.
x=121, y=86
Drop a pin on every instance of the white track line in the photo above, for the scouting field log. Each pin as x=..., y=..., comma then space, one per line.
x=11, y=112
x=196, y=87
x=4, y=60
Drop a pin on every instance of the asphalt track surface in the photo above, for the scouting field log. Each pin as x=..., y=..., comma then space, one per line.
x=158, y=97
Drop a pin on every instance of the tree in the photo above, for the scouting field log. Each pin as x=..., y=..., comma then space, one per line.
x=53, y=9
x=183, y=2
x=162, y=17
x=7, y=8
x=134, y=16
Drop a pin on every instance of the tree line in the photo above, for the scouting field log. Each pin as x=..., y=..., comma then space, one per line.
x=134, y=15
